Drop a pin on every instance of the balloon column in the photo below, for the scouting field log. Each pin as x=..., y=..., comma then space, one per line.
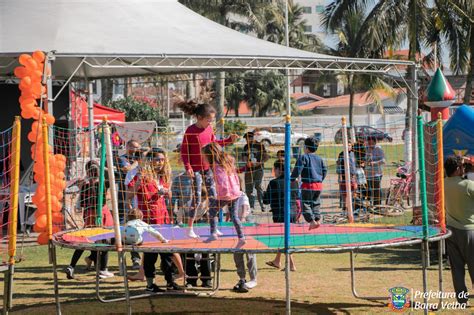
x=30, y=74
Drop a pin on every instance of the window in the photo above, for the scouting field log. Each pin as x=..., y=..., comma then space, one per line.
x=319, y=9
x=308, y=28
x=307, y=10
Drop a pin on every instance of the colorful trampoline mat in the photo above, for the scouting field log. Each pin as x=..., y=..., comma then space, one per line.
x=260, y=236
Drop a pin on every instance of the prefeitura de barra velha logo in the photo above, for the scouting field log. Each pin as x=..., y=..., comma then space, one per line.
x=398, y=300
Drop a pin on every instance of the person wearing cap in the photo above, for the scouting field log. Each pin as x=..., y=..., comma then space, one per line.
x=254, y=155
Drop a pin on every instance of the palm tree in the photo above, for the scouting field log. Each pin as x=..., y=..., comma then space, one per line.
x=268, y=22
x=352, y=28
x=219, y=11
x=234, y=91
x=388, y=23
x=453, y=20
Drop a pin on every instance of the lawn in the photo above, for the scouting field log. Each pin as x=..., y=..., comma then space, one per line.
x=320, y=285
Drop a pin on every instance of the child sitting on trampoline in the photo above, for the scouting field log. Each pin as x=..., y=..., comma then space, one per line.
x=227, y=189
x=312, y=170
x=275, y=197
x=89, y=195
x=133, y=235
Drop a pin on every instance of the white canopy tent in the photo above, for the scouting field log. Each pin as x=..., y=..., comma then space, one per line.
x=90, y=39
x=112, y=38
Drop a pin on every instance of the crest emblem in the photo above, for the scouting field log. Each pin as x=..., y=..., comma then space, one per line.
x=399, y=300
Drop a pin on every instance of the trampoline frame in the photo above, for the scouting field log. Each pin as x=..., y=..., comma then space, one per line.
x=216, y=279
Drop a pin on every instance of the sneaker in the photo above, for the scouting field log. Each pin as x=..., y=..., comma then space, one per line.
x=104, y=274
x=191, y=285
x=136, y=265
x=206, y=284
x=88, y=262
x=251, y=284
x=165, y=241
x=69, y=272
x=219, y=233
x=213, y=237
x=173, y=286
x=241, y=242
x=240, y=287
x=191, y=234
x=154, y=288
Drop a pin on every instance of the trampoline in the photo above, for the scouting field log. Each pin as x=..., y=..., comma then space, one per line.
x=261, y=238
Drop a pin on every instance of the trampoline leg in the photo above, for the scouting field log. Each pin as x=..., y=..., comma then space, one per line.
x=217, y=273
x=424, y=266
x=353, y=283
x=55, y=276
x=287, y=283
x=440, y=268
x=123, y=267
x=8, y=289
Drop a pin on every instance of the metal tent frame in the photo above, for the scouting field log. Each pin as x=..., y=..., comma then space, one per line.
x=77, y=66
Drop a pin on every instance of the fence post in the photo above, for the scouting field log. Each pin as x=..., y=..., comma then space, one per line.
x=441, y=214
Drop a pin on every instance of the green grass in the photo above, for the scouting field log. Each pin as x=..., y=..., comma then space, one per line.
x=320, y=285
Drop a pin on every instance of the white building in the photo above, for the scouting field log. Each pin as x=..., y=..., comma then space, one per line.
x=313, y=10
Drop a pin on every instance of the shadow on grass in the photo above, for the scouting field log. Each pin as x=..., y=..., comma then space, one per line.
x=197, y=305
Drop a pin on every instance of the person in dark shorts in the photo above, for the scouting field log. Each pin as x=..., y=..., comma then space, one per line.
x=275, y=197
x=311, y=169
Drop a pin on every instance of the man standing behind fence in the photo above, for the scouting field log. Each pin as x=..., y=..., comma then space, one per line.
x=255, y=156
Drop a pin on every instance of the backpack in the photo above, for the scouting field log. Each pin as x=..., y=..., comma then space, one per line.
x=227, y=185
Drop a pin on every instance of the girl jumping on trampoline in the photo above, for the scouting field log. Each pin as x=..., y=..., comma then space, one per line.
x=227, y=189
x=195, y=138
x=312, y=169
x=88, y=201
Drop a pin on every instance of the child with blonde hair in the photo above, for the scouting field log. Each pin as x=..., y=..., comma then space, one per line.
x=227, y=189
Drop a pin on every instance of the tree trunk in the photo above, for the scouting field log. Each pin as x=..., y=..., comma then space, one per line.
x=470, y=71
x=220, y=98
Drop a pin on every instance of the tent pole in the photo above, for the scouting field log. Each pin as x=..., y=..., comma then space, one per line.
x=90, y=114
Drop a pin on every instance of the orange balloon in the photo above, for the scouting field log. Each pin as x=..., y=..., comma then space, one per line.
x=58, y=218
x=40, y=210
x=42, y=221
x=38, y=229
x=27, y=114
x=23, y=59
x=36, y=113
x=39, y=56
x=36, y=76
x=56, y=229
x=38, y=177
x=28, y=102
x=36, y=89
x=50, y=119
x=43, y=238
x=20, y=72
x=35, y=137
x=31, y=64
x=25, y=83
x=60, y=157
